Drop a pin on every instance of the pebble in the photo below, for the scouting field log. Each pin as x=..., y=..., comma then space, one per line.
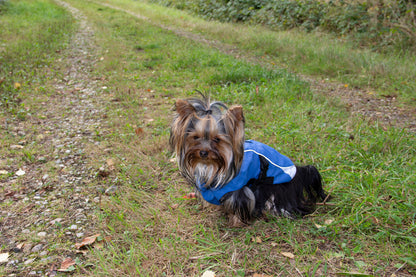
x=29, y=261
x=43, y=253
x=73, y=227
x=37, y=248
x=42, y=234
x=111, y=190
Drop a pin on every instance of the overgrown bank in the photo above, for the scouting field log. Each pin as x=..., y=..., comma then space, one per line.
x=381, y=25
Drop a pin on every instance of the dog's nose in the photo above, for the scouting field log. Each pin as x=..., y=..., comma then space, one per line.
x=203, y=154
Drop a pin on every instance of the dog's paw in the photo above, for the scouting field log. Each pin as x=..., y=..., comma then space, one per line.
x=235, y=222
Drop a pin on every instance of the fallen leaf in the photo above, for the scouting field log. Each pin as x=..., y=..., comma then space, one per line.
x=318, y=226
x=190, y=195
x=87, y=241
x=328, y=221
x=4, y=257
x=17, y=85
x=288, y=255
x=139, y=131
x=256, y=239
x=20, y=172
x=208, y=273
x=16, y=146
x=66, y=265
x=110, y=162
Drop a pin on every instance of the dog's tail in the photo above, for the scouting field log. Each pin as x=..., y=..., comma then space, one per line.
x=313, y=185
x=309, y=178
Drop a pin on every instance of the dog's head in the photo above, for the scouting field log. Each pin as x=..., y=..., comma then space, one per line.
x=208, y=139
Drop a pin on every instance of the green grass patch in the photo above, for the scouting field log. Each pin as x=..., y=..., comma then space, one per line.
x=29, y=46
x=368, y=168
x=316, y=53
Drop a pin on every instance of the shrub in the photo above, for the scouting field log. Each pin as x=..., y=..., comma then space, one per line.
x=379, y=24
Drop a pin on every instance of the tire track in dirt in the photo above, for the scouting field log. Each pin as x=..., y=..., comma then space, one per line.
x=52, y=204
x=358, y=101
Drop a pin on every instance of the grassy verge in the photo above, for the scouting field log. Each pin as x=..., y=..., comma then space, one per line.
x=315, y=54
x=368, y=168
x=28, y=47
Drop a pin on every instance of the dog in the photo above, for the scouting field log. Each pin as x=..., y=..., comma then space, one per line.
x=247, y=178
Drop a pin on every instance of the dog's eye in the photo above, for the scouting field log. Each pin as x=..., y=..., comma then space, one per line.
x=216, y=139
x=195, y=137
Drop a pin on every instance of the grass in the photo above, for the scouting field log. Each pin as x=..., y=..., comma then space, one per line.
x=315, y=54
x=27, y=47
x=368, y=168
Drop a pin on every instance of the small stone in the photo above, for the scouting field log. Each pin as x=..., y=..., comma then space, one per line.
x=26, y=231
x=79, y=235
x=29, y=261
x=37, y=248
x=56, y=220
x=42, y=160
x=43, y=253
x=20, y=172
x=111, y=190
x=73, y=227
x=42, y=234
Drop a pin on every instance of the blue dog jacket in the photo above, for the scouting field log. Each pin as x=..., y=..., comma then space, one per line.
x=280, y=170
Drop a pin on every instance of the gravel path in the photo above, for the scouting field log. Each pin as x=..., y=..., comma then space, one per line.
x=52, y=200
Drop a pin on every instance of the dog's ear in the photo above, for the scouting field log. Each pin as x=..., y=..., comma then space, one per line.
x=184, y=108
x=237, y=113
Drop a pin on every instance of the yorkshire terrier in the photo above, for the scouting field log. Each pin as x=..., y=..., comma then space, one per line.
x=246, y=177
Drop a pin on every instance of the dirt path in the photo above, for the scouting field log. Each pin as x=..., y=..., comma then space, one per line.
x=386, y=110
x=53, y=200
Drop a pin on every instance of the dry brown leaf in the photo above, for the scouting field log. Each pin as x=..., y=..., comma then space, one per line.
x=256, y=239
x=87, y=241
x=139, y=131
x=328, y=221
x=110, y=162
x=66, y=264
x=288, y=255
